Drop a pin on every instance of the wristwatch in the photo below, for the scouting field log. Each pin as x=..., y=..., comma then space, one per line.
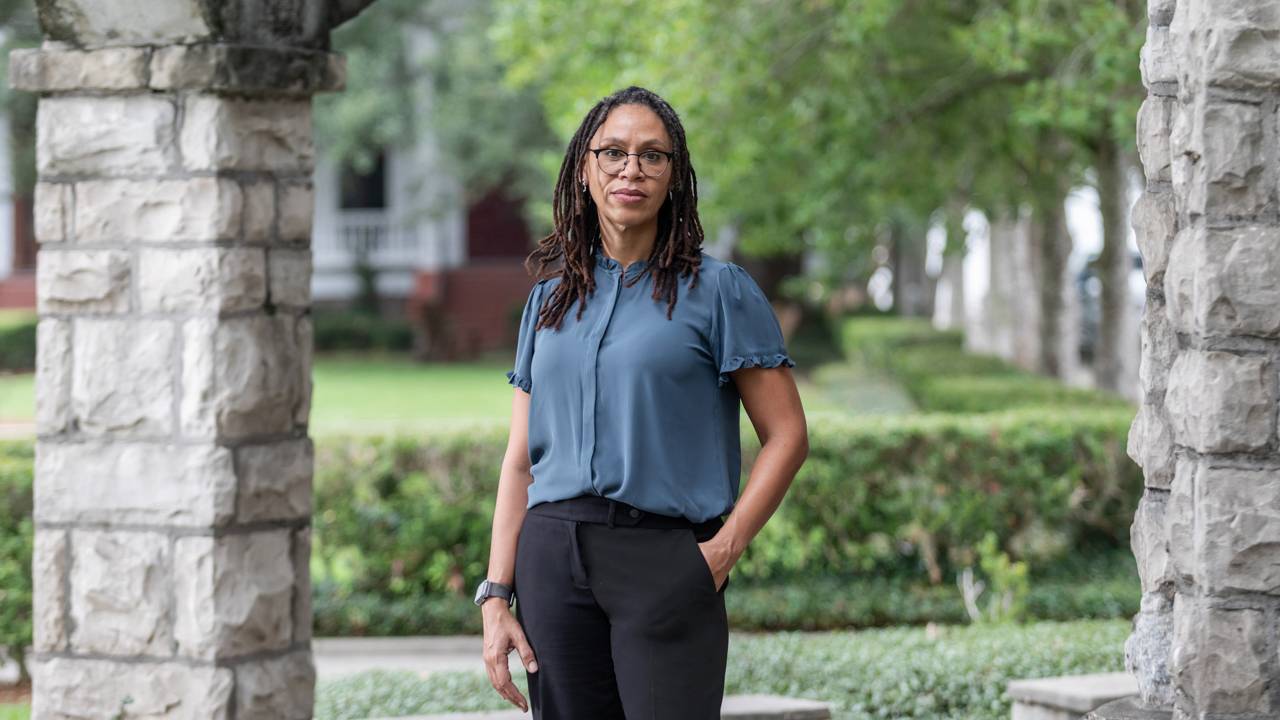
x=488, y=588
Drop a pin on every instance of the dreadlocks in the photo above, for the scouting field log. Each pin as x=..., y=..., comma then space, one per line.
x=677, y=247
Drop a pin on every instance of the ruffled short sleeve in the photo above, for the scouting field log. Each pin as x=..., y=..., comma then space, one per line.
x=744, y=329
x=521, y=374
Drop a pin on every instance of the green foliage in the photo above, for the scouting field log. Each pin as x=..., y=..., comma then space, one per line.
x=16, y=542
x=347, y=330
x=944, y=673
x=18, y=341
x=810, y=122
x=941, y=377
x=1006, y=585
x=1102, y=585
x=910, y=494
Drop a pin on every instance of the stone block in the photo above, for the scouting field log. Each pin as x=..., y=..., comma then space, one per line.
x=1159, y=347
x=242, y=376
x=261, y=69
x=79, y=688
x=1230, y=177
x=1241, y=54
x=297, y=206
x=202, y=279
x=198, y=208
x=120, y=589
x=52, y=207
x=1150, y=445
x=245, y=134
x=279, y=688
x=1221, y=402
x=1157, y=58
x=1146, y=650
x=1221, y=659
x=83, y=281
x=1149, y=540
x=50, y=564
x=259, y=211
x=62, y=69
x=154, y=22
x=234, y=594
x=1222, y=282
x=1155, y=224
x=306, y=350
x=302, y=615
x=1180, y=520
x=291, y=277
x=53, y=375
x=275, y=480
x=1237, y=529
x=118, y=482
x=111, y=135
x=121, y=380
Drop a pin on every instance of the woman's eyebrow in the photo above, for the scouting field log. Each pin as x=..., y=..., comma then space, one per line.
x=619, y=141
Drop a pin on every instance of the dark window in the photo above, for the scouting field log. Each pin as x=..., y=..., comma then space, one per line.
x=365, y=190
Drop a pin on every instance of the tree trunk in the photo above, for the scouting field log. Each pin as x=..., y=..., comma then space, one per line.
x=1052, y=245
x=1112, y=266
x=912, y=294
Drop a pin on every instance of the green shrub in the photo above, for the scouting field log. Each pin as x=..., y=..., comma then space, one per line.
x=940, y=376
x=16, y=538
x=347, y=330
x=18, y=341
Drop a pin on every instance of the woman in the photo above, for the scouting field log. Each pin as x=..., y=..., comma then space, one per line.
x=631, y=361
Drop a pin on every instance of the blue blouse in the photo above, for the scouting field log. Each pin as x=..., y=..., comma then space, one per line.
x=631, y=406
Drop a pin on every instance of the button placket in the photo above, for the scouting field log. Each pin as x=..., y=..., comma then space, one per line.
x=590, y=384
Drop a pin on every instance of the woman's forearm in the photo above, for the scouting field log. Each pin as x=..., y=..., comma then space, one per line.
x=774, y=469
x=508, y=516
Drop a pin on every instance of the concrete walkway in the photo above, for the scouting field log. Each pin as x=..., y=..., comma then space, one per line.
x=423, y=655
x=735, y=707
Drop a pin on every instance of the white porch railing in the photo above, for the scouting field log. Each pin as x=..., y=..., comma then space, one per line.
x=335, y=246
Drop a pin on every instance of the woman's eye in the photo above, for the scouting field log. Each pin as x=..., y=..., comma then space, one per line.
x=614, y=154
x=650, y=156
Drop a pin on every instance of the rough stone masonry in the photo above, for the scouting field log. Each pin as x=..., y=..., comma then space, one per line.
x=1205, y=644
x=173, y=465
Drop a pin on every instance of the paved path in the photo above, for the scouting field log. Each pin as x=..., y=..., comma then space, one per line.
x=342, y=656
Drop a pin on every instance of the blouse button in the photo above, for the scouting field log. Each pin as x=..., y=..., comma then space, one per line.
x=635, y=512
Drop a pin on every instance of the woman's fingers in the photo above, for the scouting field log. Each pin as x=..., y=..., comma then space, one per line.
x=495, y=663
x=526, y=652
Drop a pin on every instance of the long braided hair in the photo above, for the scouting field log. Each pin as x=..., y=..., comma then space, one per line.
x=677, y=249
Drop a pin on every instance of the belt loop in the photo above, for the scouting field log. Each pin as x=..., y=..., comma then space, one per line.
x=612, y=506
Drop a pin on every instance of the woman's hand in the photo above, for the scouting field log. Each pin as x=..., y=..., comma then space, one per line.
x=719, y=557
x=502, y=633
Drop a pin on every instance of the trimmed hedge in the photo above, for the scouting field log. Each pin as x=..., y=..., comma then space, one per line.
x=900, y=495
x=940, y=376
x=337, y=330
x=16, y=538
x=18, y=341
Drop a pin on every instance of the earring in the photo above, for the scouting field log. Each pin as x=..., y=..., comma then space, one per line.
x=584, y=187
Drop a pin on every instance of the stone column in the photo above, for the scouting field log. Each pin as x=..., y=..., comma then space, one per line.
x=1205, y=642
x=173, y=464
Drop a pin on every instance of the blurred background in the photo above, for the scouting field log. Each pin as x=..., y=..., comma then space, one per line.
x=935, y=194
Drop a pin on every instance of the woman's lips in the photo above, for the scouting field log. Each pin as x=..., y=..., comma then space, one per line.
x=628, y=197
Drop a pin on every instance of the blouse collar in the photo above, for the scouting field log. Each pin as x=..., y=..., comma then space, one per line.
x=612, y=265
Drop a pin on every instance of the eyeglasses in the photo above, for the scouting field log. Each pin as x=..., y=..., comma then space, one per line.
x=652, y=162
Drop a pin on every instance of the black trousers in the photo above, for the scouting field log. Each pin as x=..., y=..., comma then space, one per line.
x=621, y=611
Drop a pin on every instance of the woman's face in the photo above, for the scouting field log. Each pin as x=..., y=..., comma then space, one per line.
x=632, y=129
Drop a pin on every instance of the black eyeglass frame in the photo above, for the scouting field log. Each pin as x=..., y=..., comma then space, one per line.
x=671, y=157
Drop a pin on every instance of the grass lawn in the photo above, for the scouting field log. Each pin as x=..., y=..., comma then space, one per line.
x=15, y=712
x=370, y=394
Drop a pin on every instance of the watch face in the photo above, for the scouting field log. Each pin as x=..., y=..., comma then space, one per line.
x=480, y=591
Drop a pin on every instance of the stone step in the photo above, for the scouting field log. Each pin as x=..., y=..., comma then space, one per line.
x=735, y=707
x=1067, y=697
